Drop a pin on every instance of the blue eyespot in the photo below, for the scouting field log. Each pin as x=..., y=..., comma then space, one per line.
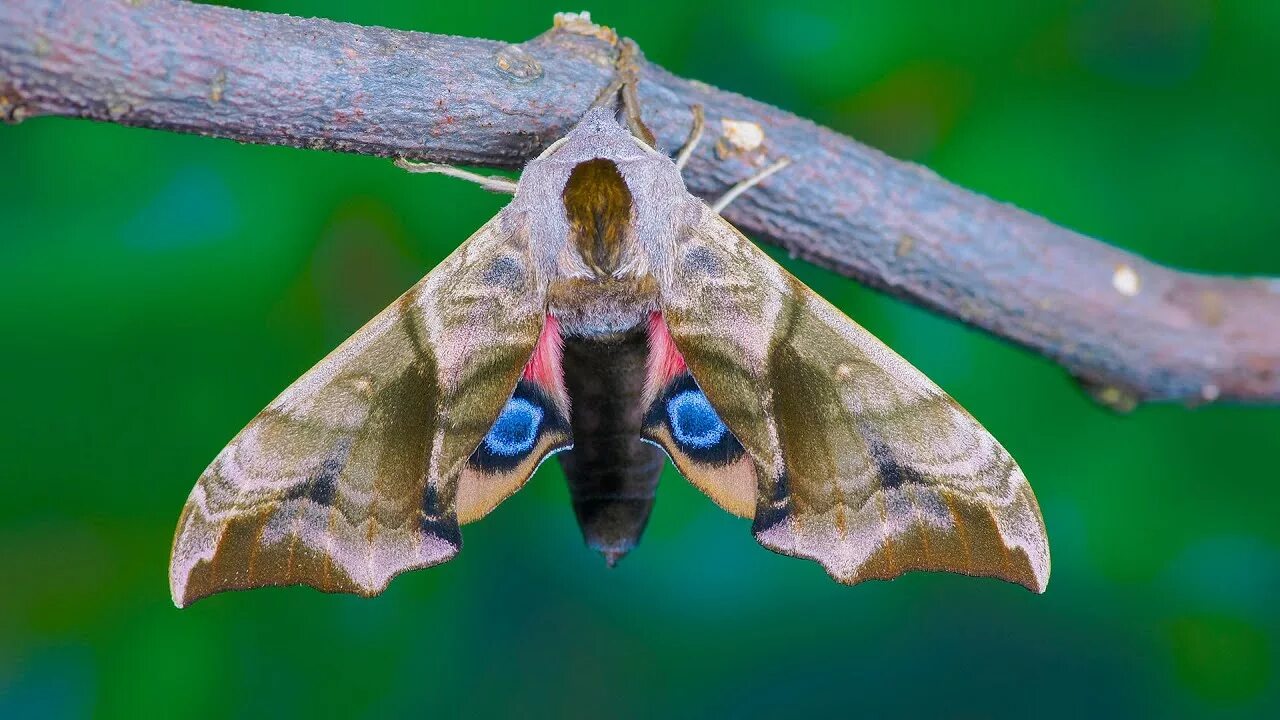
x=516, y=429
x=696, y=430
x=694, y=423
x=527, y=417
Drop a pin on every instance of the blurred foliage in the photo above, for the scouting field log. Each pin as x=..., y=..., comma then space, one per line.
x=159, y=289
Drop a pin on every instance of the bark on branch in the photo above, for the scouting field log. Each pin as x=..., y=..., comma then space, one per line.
x=1130, y=329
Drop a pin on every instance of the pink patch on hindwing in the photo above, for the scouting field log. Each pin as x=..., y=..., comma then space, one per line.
x=545, y=367
x=665, y=361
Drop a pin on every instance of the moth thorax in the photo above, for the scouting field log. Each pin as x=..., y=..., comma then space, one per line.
x=597, y=205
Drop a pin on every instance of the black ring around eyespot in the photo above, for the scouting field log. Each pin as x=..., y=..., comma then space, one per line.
x=526, y=416
x=694, y=425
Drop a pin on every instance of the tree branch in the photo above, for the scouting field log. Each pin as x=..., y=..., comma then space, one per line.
x=1129, y=329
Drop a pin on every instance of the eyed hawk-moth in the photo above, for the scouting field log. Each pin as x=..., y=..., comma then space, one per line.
x=608, y=315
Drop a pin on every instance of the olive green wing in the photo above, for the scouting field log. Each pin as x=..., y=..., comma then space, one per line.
x=351, y=476
x=862, y=463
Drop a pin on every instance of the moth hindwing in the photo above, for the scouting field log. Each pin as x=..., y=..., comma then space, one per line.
x=603, y=312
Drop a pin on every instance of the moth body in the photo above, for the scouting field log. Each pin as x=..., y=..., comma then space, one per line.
x=603, y=257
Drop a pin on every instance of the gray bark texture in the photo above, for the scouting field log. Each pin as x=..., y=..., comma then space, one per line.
x=1130, y=330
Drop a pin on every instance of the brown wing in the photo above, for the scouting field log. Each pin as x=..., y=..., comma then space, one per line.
x=863, y=464
x=350, y=476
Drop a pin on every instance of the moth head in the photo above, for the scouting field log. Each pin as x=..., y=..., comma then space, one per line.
x=601, y=204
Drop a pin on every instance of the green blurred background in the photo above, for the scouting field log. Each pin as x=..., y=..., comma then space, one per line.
x=159, y=289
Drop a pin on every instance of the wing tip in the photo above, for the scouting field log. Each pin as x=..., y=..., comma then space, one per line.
x=185, y=593
x=1040, y=569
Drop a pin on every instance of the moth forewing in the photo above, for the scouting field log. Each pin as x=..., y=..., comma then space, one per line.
x=864, y=465
x=349, y=477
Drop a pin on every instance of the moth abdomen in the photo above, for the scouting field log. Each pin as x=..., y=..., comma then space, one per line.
x=612, y=473
x=613, y=502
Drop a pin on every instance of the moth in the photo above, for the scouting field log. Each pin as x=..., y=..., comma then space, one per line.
x=608, y=315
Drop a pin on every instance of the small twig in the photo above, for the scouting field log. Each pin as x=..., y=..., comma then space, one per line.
x=695, y=137
x=745, y=185
x=492, y=183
